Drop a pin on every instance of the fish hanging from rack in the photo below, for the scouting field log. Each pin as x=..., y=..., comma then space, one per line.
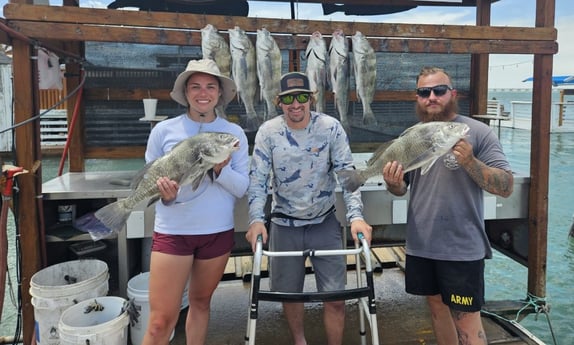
x=365, y=71
x=269, y=63
x=316, y=69
x=244, y=73
x=339, y=75
x=216, y=48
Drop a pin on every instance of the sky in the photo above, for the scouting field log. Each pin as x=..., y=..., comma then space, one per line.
x=506, y=71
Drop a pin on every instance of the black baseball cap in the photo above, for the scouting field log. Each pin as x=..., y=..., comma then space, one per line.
x=293, y=82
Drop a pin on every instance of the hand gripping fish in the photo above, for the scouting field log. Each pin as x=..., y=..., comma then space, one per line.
x=187, y=163
x=418, y=146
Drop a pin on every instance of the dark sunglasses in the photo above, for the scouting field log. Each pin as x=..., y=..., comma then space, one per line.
x=289, y=99
x=438, y=90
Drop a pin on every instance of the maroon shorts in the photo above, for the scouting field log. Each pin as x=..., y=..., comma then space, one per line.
x=201, y=246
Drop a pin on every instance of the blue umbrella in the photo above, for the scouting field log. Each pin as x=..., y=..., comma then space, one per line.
x=558, y=80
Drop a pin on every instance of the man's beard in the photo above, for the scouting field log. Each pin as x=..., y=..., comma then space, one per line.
x=445, y=115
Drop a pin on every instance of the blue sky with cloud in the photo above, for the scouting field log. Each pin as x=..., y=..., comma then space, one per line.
x=506, y=71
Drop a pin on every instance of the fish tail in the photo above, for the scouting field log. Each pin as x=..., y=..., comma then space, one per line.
x=351, y=180
x=114, y=216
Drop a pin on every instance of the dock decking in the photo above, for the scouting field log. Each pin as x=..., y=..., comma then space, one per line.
x=403, y=319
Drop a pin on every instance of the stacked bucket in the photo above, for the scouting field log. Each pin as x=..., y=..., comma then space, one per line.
x=71, y=306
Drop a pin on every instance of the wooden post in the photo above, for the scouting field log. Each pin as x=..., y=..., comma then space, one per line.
x=479, y=65
x=539, y=159
x=28, y=144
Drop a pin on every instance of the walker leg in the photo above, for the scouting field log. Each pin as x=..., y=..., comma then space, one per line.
x=358, y=270
x=254, y=295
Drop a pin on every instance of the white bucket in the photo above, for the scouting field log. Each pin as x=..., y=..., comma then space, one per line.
x=138, y=291
x=57, y=287
x=96, y=321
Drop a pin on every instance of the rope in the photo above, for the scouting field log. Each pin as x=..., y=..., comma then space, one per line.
x=538, y=304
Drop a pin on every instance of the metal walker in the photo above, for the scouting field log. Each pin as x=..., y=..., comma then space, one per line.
x=363, y=293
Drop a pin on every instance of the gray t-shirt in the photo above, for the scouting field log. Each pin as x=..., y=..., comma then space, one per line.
x=446, y=212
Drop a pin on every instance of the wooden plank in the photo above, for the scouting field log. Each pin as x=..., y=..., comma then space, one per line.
x=75, y=110
x=115, y=152
x=540, y=159
x=4, y=38
x=167, y=22
x=31, y=235
x=80, y=32
x=105, y=94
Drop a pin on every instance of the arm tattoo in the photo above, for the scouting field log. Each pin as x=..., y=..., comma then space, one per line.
x=493, y=180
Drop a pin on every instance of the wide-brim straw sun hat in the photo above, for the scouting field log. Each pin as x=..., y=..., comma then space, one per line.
x=228, y=88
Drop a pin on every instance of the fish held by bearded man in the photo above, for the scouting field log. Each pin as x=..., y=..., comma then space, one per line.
x=418, y=146
x=187, y=163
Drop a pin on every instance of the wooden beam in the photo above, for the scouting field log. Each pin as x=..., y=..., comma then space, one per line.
x=479, y=64
x=540, y=159
x=4, y=38
x=163, y=22
x=75, y=108
x=115, y=152
x=80, y=32
x=27, y=142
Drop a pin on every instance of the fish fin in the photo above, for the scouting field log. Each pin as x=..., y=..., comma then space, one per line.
x=424, y=160
x=153, y=200
x=379, y=151
x=196, y=181
x=113, y=216
x=351, y=180
x=406, y=131
x=90, y=224
x=138, y=177
x=427, y=166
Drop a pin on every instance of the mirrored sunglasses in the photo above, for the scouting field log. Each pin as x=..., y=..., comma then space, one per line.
x=289, y=99
x=438, y=90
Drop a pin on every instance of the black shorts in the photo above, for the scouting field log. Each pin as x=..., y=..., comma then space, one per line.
x=460, y=283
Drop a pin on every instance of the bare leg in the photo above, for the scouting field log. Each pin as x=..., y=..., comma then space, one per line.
x=205, y=275
x=443, y=324
x=168, y=274
x=469, y=328
x=294, y=315
x=334, y=319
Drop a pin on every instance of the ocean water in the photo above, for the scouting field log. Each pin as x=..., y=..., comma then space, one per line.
x=505, y=279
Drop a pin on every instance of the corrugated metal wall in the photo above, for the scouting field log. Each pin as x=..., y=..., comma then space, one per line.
x=111, y=123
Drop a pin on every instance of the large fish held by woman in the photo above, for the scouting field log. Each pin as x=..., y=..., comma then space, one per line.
x=187, y=163
x=418, y=146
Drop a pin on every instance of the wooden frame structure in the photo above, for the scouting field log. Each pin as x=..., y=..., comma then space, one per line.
x=66, y=28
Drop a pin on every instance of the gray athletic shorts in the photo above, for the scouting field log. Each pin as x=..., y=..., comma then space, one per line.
x=287, y=274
